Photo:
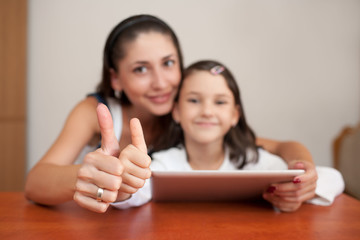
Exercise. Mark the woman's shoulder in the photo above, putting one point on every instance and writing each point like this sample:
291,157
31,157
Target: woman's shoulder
87,106
79,130
84,114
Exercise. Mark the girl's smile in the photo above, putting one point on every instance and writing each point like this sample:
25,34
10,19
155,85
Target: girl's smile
206,108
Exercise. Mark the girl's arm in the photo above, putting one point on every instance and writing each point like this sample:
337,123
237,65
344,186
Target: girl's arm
52,180
289,196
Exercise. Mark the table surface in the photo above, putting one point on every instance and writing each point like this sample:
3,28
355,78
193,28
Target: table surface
21,219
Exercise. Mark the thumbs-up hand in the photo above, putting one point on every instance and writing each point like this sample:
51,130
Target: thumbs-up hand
99,177
136,162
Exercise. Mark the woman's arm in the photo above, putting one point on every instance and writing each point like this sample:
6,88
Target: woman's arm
288,150
52,180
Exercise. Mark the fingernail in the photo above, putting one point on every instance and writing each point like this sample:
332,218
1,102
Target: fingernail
271,189
297,180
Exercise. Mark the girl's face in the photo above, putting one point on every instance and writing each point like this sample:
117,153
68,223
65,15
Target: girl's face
149,73
206,108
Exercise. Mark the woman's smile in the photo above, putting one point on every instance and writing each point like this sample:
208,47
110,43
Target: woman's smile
160,98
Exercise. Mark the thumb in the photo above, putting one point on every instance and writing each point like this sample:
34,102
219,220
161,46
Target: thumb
296,165
137,135
109,143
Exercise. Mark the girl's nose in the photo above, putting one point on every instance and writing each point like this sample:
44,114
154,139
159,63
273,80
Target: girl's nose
207,109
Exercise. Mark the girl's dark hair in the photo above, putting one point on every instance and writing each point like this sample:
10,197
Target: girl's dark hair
127,31
240,139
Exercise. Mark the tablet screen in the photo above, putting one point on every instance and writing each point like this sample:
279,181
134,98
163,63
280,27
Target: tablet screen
204,185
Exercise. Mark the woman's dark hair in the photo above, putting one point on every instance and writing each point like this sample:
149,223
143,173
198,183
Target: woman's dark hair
127,31
240,139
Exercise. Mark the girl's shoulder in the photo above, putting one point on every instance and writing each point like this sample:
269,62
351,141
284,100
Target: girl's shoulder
267,161
172,159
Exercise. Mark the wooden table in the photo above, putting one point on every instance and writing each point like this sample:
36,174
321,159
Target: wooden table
20,219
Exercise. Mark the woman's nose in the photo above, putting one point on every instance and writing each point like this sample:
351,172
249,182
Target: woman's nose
159,80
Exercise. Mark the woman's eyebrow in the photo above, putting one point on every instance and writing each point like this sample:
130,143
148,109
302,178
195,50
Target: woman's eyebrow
146,62
141,62
169,56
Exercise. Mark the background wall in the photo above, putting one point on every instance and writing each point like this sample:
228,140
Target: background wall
297,62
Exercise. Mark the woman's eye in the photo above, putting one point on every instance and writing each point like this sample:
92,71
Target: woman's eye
169,63
141,69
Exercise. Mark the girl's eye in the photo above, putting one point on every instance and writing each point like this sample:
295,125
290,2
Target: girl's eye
220,102
192,100
169,63
140,69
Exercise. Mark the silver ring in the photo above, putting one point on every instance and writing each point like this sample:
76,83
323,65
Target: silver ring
99,194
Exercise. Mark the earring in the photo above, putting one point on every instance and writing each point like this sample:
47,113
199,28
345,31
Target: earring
118,94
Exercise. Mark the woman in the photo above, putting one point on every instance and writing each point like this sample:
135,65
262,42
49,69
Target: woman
142,69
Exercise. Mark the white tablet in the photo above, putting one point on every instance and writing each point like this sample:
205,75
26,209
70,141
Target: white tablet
215,185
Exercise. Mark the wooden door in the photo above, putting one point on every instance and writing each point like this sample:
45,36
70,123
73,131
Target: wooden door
13,27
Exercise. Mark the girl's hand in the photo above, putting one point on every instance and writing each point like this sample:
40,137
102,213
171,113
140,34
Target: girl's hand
288,197
100,169
136,162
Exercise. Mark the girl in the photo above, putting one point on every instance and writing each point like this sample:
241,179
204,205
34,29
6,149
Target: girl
142,68
210,132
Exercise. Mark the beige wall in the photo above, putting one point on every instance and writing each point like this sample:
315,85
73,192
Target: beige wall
297,62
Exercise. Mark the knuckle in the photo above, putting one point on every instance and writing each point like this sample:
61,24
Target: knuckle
147,174
76,197
132,147
126,151
83,172
297,194
124,159
90,157
102,207
139,184
298,198
131,190
112,196
142,183
116,183
147,161
78,186
119,169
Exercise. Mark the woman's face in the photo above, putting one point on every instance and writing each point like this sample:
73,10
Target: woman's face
206,108
149,73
